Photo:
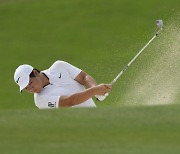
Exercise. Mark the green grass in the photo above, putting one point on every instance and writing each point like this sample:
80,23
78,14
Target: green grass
130,130
100,37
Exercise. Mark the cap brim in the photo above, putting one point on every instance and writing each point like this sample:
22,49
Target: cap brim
24,84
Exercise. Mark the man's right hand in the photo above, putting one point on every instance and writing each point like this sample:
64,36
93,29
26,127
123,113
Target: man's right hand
102,89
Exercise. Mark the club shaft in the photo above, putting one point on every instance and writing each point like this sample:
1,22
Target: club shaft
127,66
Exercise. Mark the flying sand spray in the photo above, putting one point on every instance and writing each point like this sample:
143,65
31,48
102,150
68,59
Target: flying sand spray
160,26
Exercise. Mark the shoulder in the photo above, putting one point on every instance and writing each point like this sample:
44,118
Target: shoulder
59,64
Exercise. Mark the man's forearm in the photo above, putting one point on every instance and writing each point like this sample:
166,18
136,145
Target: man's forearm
81,97
78,98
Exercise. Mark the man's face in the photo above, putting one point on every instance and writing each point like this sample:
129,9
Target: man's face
35,84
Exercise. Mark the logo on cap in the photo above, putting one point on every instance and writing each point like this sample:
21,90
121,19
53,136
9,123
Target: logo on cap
18,80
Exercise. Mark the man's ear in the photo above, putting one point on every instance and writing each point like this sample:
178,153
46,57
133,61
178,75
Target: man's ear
36,73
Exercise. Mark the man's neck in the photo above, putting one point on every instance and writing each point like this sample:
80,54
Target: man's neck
45,79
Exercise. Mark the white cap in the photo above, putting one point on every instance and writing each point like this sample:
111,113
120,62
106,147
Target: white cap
21,75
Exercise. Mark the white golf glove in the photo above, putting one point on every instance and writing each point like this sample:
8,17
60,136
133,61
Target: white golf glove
101,98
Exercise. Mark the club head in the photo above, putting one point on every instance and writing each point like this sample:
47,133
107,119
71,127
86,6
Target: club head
159,24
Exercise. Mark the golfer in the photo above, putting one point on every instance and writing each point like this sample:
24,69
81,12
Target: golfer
61,85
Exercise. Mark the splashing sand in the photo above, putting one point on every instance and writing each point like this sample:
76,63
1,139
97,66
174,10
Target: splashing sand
159,82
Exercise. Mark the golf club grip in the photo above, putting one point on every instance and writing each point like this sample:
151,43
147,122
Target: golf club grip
101,98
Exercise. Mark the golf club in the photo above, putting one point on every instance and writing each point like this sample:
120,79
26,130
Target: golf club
160,26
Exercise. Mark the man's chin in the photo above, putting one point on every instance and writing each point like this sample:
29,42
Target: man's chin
38,91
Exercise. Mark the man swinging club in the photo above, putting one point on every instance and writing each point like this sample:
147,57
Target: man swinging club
62,85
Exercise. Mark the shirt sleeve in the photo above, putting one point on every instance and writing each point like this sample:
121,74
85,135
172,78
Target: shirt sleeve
47,102
73,71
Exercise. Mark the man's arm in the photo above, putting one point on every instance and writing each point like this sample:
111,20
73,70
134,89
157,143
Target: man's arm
79,98
85,79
